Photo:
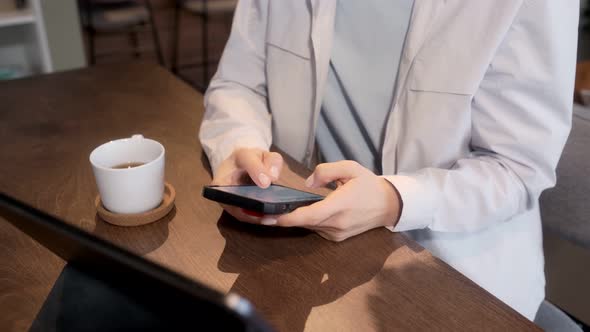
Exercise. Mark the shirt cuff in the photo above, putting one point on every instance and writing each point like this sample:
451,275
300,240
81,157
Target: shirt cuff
418,203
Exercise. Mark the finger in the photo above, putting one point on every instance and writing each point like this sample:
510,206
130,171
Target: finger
220,181
323,234
234,177
261,218
332,236
251,161
337,171
226,172
273,162
311,215
251,217
337,228
240,215
335,234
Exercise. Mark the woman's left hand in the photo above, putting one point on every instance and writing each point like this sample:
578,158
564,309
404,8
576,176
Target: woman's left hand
361,202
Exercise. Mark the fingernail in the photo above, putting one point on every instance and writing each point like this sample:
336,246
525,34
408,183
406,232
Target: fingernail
268,221
309,181
274,172
264,180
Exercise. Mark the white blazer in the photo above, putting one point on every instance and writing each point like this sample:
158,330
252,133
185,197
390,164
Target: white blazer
482,110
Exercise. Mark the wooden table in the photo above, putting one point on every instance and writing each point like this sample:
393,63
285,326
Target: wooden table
297,280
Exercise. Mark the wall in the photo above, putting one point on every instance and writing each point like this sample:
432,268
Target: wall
62,26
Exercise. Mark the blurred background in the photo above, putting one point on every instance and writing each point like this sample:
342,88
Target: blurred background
187,37
43,36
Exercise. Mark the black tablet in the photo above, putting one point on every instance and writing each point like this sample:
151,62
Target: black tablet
167,300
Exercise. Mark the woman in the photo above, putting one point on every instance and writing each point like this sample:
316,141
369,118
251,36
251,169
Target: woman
442,119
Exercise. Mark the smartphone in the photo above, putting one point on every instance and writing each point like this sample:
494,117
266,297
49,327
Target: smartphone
275,199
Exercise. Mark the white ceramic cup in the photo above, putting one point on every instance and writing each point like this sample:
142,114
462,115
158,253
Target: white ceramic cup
129,190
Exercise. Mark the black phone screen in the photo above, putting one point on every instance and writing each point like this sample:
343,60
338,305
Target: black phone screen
272,194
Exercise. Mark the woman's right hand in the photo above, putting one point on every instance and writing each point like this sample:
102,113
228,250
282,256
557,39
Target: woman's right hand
244,166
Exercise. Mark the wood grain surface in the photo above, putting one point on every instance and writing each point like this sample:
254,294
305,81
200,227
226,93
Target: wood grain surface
297,280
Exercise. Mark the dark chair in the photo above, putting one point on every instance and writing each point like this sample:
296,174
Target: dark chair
565,211
203,9
551,319
119,16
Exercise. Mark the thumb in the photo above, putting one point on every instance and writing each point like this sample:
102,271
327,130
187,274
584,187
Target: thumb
273,163
250,160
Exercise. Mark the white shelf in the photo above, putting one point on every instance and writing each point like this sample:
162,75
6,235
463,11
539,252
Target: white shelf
25,36
16,17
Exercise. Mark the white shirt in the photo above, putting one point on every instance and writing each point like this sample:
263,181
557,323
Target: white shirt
368,41
481,112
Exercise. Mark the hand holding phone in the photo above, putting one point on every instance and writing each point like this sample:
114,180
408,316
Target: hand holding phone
244,166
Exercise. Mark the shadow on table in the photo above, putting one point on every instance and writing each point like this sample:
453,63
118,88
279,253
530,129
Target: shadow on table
441,300
285,272
392,310
140,240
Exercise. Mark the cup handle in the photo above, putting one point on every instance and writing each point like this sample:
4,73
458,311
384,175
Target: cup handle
137,137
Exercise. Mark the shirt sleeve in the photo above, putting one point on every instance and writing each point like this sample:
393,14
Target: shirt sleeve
236,112
521,117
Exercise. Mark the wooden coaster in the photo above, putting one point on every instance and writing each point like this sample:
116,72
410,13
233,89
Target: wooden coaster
137,219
